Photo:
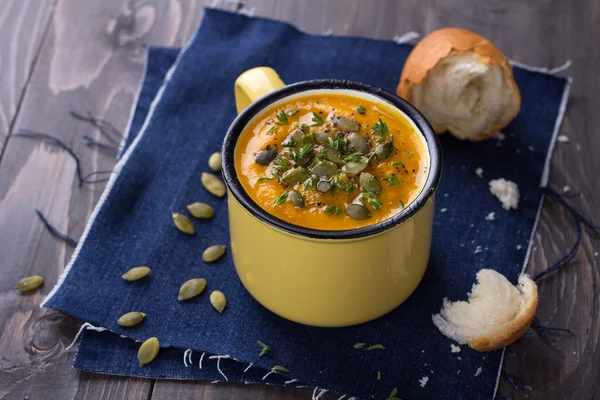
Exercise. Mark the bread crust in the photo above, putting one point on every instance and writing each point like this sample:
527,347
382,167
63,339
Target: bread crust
440,44
511,331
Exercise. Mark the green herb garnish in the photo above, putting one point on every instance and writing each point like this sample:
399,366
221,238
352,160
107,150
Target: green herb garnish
276,175
345,186
265,348
354,157
280,163
371,157
280,199
398,164
373,200
322,153
358,345
293,112
317,119
271,131
337,143
302,153
280,369
393,180
382,130
392,395
378,375
282,118
304,128
308,138
361,110
264,178
400,203
411,154
330,210
375,347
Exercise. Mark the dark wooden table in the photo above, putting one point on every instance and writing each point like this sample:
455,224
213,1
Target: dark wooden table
61,54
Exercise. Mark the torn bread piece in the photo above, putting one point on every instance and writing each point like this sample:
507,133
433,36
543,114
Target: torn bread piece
496,314
462,83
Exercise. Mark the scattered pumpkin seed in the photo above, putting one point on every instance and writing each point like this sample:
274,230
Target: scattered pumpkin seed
376,347
322,137
148,351
213,253
383,151
358,211
183,223
359,143
30,283
264,157
324,168
214,162
293,176
201,210
369,183
324,186
131,318
136,273
279,368
265,348
218,300
358,345
213,184
353,168
345,124
333,156
296,198
191,288
294,139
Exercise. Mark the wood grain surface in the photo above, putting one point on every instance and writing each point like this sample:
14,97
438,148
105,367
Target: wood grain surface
57,55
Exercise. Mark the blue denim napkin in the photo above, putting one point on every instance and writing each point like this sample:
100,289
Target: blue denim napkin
160,171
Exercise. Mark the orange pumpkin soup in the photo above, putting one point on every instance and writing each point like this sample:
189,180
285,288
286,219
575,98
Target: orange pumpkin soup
331,161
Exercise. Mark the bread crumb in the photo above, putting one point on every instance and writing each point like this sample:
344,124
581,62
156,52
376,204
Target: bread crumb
444,210
423,381
454,348
518,151
445,194
491,216
506,191
596,254
500,136
477,250
458,372
459,358
531,148
472,225
566,188
563,139
479,172
478,371
518,247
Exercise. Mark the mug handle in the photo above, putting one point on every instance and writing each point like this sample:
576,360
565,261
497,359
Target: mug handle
253,84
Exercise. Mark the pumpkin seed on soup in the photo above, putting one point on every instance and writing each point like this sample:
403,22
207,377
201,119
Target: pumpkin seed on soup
264,157
369,183
131,318
183,223
353,168
324,186
136,273
148,351
191,288
214,162
358,211
383,151
218,301
345,124
324,168
30,283
213,184
296,198
213,253
201,210
359,143
293,176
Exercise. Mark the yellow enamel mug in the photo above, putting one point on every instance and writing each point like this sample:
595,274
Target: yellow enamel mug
321,277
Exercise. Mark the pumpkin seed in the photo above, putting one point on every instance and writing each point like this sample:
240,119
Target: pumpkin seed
324,168
214,162
294,139
383,151
213,253
30,283
148,351
191,288
136,273
358,211
333,156
213,184
218,300
322,137
296,198
324,186
345,124
183,223
201,210
293,176
369,183
131,318
353,168
264,157
359,143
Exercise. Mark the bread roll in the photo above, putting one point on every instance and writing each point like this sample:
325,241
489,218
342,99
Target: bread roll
462,83
496,314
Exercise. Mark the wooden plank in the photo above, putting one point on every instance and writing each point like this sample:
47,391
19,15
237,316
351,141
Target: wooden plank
23,26
91,60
